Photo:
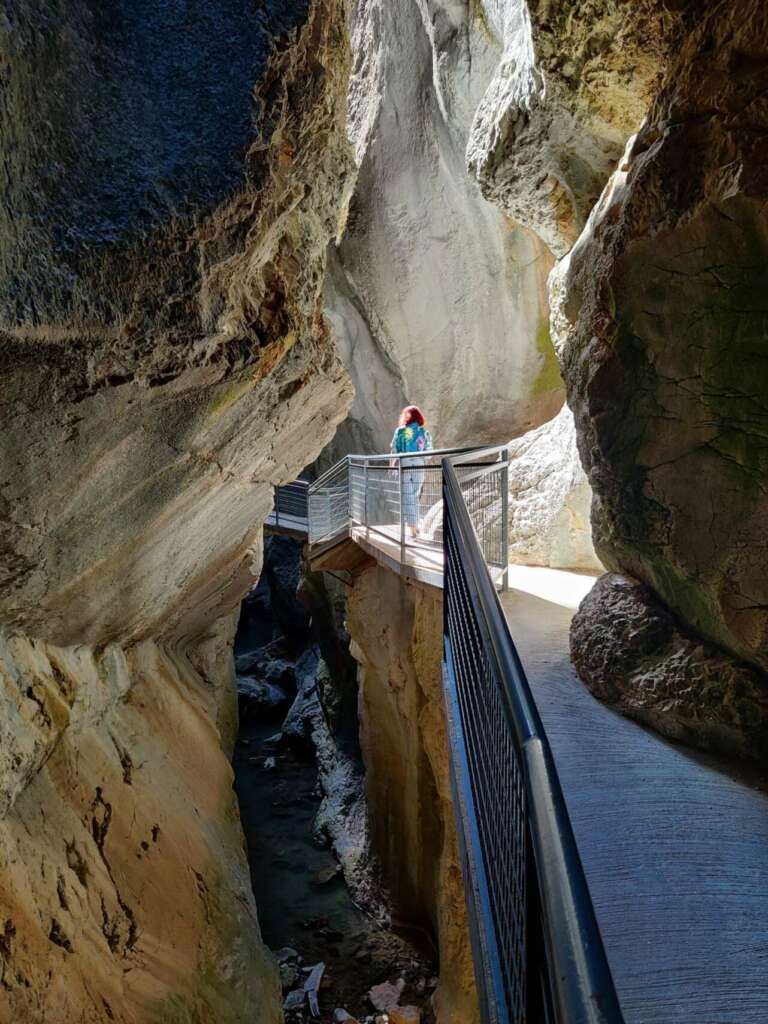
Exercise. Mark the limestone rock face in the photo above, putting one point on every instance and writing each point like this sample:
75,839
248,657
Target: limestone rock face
123,880
632,654
435,296
572,81
162,349
396,630
663,313
549,499
170,179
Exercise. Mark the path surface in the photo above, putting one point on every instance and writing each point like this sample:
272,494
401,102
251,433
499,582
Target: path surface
675,850
674,844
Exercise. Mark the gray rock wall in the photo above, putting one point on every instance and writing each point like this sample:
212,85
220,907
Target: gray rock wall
171,176
436,296
163,355
663,315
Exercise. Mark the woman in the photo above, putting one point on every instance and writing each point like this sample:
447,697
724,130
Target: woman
411,436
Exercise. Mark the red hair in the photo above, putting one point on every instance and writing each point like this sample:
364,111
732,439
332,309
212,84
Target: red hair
411,414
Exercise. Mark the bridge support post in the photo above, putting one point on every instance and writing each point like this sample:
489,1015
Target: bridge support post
505,518
402,517
365,499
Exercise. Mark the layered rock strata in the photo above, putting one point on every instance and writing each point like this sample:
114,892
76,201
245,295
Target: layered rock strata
169,189
661,308
123,882
396,630
435,295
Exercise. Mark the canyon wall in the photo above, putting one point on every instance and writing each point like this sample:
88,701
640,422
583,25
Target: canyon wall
661,323
436,296
171,178
396,628
123,883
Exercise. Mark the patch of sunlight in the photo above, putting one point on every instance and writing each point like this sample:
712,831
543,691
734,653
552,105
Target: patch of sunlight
558,586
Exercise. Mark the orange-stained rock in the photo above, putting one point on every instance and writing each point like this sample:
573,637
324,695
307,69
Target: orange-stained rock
396,629
405,1015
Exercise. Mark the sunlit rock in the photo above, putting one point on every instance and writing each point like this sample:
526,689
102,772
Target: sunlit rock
396,633
435,295
549,499
123,880
572,81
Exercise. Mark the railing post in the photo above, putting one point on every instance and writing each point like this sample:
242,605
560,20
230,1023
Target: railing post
402,517
365,499
505,519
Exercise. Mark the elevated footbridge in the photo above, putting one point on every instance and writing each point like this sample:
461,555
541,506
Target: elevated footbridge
610,876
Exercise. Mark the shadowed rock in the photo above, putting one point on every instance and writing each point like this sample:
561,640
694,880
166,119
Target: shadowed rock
630,651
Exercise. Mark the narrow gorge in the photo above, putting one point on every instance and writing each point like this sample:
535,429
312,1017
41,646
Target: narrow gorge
236,239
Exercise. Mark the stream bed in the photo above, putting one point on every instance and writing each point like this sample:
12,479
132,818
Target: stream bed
306,911
303,901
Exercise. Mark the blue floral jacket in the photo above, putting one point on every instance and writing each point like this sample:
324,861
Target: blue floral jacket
412,438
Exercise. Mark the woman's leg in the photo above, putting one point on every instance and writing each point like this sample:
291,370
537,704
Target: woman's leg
410,510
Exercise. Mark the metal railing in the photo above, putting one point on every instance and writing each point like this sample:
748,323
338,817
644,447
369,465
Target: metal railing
400,498
291,507
537,949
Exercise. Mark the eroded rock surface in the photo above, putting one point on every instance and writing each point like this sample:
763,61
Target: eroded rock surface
396,631
435,295
171,177
632,654
662,304
123,882
573,80
162,348
550,499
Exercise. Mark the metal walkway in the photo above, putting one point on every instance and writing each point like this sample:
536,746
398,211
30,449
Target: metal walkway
674,852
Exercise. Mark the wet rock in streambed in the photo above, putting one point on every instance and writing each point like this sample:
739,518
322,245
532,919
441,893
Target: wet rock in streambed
287,953
340,1016
294,1000
383,997
289,975
258,698
326,875
404,1015
308,992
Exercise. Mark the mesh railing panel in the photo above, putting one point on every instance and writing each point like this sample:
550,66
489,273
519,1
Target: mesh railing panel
329,505
497,796
402,499
537,949
291,502
482,489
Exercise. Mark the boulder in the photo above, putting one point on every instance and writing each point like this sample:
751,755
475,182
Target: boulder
660,319
632,653
404,1015
258,699
385,996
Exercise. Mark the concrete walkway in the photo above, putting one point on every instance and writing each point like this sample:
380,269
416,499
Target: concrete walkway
675,849
674,845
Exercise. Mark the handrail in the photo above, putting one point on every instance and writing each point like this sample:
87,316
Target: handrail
537,949
575,965
318,483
